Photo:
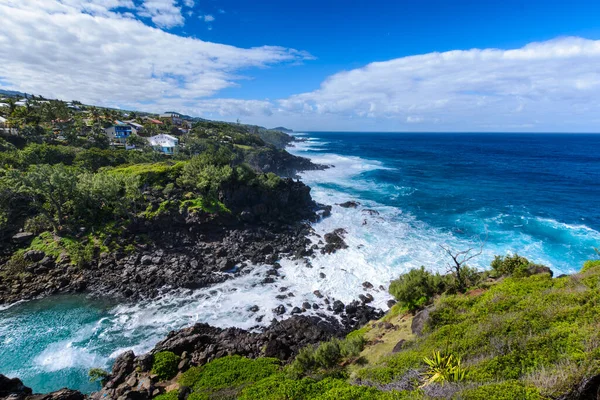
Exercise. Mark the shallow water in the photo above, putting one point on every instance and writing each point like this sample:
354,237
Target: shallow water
533,194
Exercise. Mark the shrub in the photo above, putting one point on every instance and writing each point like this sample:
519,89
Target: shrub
37,224
98,375
327,355
513,265
352,346
172,395
416,288
508,390
280,387
47,154
443,368
151,174
590,264
268,181
165,364
16,264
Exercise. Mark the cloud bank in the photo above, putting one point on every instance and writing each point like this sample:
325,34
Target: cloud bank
86,50
107,52
541,84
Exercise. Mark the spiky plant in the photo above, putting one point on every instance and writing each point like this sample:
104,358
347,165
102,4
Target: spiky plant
443,368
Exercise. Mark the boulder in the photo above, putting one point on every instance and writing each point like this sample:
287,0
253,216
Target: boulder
334,241
535,269
349,204
419,321
123,366
12,386
34,255
399,346
587,389
338,307
23,237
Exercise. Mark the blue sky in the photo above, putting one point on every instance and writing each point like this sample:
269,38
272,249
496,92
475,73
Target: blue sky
350,34
332,65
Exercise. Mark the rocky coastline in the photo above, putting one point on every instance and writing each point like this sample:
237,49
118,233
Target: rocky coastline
196,250
131,376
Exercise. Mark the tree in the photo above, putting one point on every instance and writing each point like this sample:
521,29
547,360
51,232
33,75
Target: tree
137,141
416,288
459,268
50,188
98,138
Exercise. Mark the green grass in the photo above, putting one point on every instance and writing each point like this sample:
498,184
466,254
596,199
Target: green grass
227,376
520,330
205,205
151,174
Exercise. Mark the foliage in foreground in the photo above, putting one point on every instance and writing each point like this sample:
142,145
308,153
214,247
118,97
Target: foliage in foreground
537,332
443,368
165,364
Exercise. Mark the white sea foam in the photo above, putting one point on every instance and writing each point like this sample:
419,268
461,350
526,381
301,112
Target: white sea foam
383,242
69,353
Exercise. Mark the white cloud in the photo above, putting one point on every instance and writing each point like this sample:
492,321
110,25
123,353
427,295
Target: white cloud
164,13
208,18
547,85
63,50
189,3
86,50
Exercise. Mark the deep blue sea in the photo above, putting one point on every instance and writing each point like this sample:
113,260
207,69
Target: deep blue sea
533,194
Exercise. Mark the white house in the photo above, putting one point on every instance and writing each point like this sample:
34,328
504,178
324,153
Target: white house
164,143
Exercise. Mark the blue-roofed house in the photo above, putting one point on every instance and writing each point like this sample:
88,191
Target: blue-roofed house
118,132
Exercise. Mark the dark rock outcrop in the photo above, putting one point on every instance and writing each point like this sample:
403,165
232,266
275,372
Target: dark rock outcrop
419,321
180,249
588,389
14,389
202,343
12,386
334,241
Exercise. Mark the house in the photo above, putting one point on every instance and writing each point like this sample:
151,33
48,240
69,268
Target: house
135,127
119,132
174,117
166,144
153,121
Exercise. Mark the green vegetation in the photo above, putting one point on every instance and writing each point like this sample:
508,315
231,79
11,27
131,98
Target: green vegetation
60,179
327,356
173,395
533,333
508,390
227,376
165,364
417,287
443,368
98,375
513,337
